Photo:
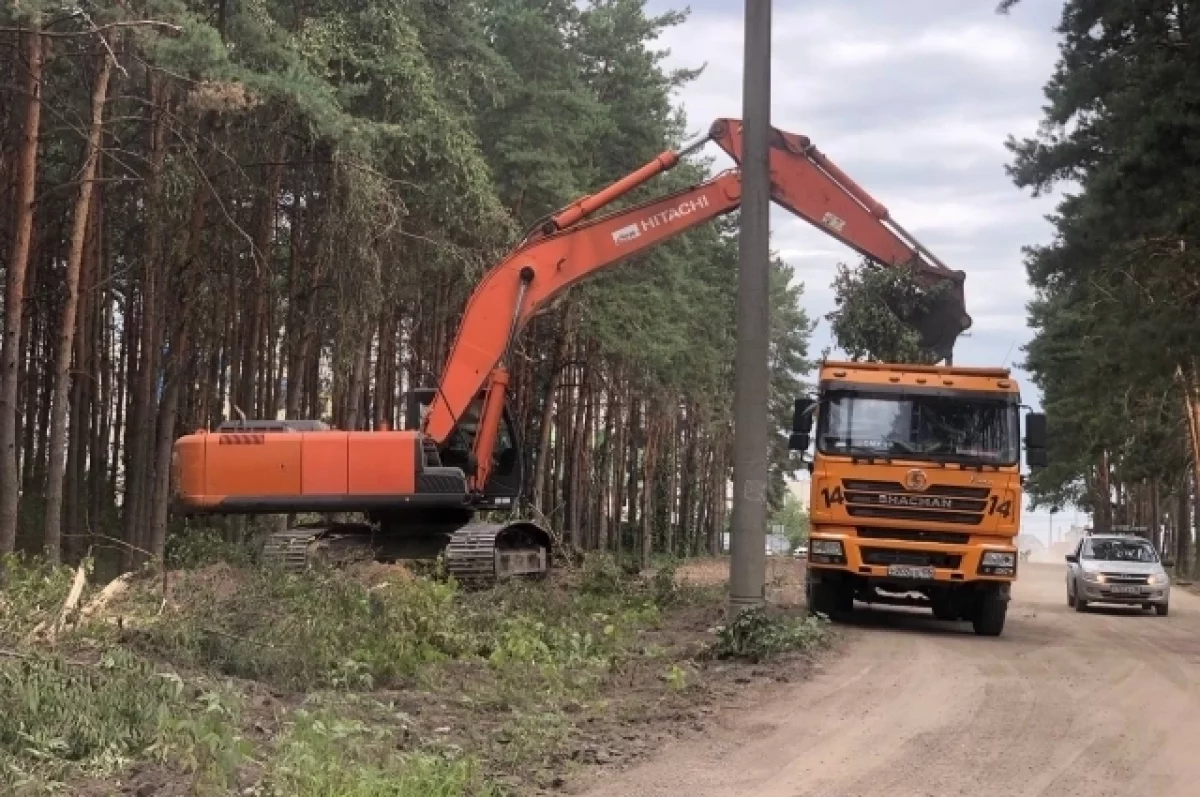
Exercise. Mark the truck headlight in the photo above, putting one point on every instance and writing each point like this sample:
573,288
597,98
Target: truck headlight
998,563
1157,578
999,559
826,547
826,552
1094,577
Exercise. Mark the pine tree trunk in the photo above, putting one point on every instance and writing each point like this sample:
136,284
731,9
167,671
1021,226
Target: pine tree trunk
575,459
14,301
649,482
66,339
545,457
144,364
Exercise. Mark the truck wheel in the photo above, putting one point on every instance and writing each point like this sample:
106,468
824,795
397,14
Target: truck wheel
1080,604
989,614
945,610
845,598
1160,609
822,598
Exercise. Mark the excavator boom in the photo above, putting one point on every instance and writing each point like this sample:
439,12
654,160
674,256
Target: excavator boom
568,248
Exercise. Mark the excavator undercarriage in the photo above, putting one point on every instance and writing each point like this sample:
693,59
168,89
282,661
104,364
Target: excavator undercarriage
475,554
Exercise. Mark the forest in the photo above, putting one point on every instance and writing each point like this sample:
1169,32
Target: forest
279,209
1116,313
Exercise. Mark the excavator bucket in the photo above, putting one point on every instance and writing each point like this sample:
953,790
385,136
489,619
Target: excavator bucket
946,318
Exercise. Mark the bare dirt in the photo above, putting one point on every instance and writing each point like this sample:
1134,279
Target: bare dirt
1102,704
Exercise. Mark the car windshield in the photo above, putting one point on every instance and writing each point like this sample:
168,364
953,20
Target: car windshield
913,425
1119,551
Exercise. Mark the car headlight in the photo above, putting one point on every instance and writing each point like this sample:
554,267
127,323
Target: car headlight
1157,578
999,559
1091,575
825,547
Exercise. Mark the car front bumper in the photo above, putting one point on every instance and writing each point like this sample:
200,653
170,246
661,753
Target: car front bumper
1103,593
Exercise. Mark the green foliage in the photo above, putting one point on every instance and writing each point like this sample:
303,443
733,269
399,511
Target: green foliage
195,548
312,631
1116,306
795,520
63,717
33,593
875,310
327,755
756,634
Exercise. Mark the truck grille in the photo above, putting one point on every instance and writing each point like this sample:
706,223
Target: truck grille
940,503
916,535
896,556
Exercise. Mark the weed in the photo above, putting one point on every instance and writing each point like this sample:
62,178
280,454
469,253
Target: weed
66,717
325,755
756,634
602,575
195,548
676,677
33,593
313,631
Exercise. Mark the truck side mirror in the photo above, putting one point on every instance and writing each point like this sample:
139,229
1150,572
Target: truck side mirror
802,423
1036,455
1072,558
802,416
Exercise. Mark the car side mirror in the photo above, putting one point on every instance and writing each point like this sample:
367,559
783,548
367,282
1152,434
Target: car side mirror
1036,455
1072,558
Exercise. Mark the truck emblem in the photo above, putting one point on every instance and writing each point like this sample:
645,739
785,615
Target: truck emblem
916,480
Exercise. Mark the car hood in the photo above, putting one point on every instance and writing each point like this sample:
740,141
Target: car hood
1133,568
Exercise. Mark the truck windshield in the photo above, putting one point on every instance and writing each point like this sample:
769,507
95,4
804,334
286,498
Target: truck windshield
936,427
1119,551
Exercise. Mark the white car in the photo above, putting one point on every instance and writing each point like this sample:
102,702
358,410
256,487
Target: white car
1117,569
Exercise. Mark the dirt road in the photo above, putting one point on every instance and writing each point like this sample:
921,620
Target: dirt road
1103,704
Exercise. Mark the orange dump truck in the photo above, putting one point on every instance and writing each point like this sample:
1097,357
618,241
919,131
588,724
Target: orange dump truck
916,488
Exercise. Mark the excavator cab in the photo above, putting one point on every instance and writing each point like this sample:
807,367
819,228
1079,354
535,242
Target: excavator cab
504,484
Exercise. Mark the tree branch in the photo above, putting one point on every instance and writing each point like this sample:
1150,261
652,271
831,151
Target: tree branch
174,29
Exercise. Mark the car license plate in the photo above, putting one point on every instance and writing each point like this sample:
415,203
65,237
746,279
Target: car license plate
910,571
1124,589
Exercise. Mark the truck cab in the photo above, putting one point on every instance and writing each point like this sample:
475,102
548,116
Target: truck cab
916,488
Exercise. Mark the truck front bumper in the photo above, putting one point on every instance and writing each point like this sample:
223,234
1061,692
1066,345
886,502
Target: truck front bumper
907,562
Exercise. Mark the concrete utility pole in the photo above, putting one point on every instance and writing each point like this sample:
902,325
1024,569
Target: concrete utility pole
751,371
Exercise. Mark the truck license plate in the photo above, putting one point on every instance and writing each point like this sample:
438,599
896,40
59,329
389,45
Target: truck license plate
1124,589
911,571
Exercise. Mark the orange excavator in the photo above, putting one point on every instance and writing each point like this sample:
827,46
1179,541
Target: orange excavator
422,488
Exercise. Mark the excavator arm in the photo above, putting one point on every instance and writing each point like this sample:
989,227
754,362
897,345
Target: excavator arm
569,247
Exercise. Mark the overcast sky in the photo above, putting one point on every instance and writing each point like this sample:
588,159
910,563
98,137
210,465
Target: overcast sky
914,100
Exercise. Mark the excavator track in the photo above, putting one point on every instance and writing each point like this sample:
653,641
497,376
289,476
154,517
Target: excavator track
299,548
477,554
484,553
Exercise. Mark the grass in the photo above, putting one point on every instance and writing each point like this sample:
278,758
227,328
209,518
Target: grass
375,683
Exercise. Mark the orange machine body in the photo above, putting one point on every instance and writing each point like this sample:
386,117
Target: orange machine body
297,471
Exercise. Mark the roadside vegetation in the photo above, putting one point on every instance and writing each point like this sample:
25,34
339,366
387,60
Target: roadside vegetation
370,681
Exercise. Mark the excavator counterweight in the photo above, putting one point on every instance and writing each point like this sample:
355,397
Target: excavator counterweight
421,488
